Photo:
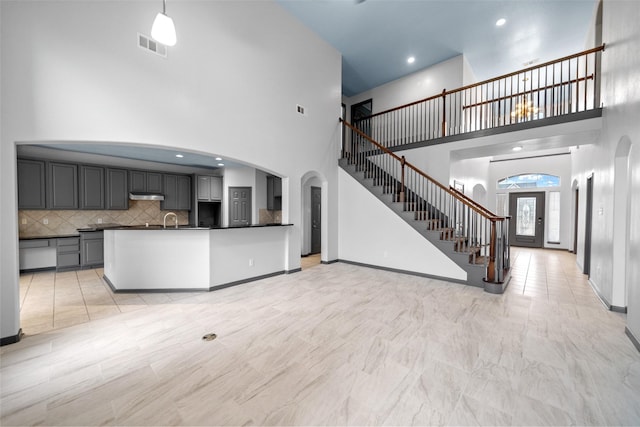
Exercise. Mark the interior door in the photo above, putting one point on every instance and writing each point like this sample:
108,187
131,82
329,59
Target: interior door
588,220
239,206
316,209
527,219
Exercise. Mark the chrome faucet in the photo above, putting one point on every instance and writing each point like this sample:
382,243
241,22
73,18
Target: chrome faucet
175,217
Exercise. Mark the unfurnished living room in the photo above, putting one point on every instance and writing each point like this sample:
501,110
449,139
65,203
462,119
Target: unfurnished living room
343,212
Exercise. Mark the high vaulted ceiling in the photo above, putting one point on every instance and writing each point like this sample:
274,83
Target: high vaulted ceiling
376,37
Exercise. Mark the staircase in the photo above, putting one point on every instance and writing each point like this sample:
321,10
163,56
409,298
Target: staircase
470,235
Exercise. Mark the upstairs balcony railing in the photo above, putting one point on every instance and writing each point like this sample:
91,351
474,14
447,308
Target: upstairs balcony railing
565,86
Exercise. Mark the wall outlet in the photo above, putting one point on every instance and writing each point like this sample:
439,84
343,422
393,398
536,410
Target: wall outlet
250,262
45,221
385,254
24,221
99,220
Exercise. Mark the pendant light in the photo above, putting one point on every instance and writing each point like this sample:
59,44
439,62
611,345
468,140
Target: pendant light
163,31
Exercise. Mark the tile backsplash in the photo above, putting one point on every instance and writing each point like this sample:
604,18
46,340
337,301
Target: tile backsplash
61,222
269,217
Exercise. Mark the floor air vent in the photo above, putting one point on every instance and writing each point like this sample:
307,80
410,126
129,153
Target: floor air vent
147,43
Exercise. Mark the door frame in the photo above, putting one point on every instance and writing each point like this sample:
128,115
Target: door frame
316,241
588,221
540,218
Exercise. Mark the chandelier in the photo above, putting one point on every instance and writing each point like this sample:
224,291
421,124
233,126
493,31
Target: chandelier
524,109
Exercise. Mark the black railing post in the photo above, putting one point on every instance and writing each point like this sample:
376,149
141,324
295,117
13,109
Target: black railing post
444,112
402,163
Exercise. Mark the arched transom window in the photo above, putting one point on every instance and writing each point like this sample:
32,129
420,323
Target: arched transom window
529,180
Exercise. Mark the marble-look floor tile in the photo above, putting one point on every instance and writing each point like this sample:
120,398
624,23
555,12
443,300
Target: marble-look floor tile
332,345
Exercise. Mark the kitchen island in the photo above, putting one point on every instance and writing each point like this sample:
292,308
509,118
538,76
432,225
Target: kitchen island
189,259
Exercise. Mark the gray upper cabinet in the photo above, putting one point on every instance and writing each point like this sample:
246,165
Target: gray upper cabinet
91,187
154,182
146,182
209,188
31,184
184,192
62,186
177,192
137,181
274,193
116,188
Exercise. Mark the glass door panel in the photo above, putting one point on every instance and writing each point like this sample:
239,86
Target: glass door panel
527,219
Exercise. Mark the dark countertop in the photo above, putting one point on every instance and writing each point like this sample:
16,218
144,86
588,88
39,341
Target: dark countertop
186,227
101,227
56,236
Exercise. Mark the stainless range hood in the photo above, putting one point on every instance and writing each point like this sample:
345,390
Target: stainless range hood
139,195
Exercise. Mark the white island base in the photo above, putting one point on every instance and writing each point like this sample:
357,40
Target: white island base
192,259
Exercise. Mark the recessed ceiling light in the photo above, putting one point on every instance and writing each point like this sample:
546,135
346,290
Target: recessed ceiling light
220,164
179,156
500,22
517,148
411,60
218,159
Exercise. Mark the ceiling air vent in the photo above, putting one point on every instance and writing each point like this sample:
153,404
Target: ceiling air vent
149,44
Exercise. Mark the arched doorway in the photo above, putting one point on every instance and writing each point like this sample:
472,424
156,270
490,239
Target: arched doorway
313,221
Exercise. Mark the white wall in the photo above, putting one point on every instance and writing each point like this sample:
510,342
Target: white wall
371,233
620,94
471,172
419,85
468,75
72,71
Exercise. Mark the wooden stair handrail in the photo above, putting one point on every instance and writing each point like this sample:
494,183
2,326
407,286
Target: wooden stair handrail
473,202
504,76
455,194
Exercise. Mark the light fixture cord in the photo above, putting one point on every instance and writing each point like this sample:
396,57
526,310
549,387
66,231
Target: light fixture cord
164,7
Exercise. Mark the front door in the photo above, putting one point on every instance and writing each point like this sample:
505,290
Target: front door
316,209
527,219
239,206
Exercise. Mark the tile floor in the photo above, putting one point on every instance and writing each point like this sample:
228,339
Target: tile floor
51,300
310,261
334,344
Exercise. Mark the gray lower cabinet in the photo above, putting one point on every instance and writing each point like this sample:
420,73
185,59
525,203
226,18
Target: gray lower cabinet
68,253
62,186
91,187
37,254
31,184
92,249
177,192
117,189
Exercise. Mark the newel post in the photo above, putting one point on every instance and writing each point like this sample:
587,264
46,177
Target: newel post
402,163
444,113
491,268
